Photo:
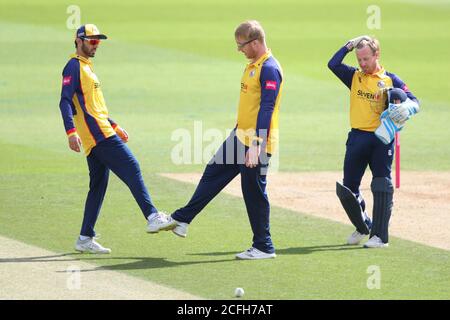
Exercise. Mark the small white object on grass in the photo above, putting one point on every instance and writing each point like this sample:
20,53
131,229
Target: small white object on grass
239,292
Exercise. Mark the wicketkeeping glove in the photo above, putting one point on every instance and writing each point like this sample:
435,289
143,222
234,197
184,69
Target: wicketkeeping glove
398,113
395,116
403,111
387,129
355,41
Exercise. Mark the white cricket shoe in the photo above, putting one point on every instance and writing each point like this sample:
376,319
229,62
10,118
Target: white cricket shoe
159,221
91,246
253,254
355,238
180,228
375,242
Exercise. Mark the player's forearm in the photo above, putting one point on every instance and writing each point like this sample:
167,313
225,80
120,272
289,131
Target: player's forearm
67,116
263,121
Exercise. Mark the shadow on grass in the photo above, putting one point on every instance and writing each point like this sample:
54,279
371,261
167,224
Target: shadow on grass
147,263
293,250
133,263
139,263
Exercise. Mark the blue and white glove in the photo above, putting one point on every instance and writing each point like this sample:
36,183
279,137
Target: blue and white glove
394,118
400,113
387,129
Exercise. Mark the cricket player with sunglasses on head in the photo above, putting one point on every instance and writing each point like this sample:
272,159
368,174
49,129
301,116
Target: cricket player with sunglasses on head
88,125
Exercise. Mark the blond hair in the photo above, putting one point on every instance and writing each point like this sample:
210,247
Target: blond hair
250,29
373,44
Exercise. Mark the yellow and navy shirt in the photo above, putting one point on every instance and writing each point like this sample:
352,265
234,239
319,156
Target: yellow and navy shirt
82,105
259,102
367,91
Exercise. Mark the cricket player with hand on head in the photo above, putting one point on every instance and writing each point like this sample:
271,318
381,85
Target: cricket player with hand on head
248,149
380,104
89,126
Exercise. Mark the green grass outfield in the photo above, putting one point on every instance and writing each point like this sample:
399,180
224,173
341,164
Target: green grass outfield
170,63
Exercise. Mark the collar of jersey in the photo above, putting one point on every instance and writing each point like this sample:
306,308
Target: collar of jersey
85,60
263,57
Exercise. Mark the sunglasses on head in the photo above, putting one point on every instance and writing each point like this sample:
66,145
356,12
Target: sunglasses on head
92,41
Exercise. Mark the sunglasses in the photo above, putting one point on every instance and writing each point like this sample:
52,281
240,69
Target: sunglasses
92,42
241,45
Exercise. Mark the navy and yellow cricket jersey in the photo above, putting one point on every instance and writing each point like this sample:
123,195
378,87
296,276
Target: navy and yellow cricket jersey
82,104
259,102
367,91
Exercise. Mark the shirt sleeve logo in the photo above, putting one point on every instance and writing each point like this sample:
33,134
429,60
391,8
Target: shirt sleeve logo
271,85
405,88
67,80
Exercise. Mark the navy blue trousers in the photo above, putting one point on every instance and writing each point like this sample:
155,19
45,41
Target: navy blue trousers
226,164
365,149
112,154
